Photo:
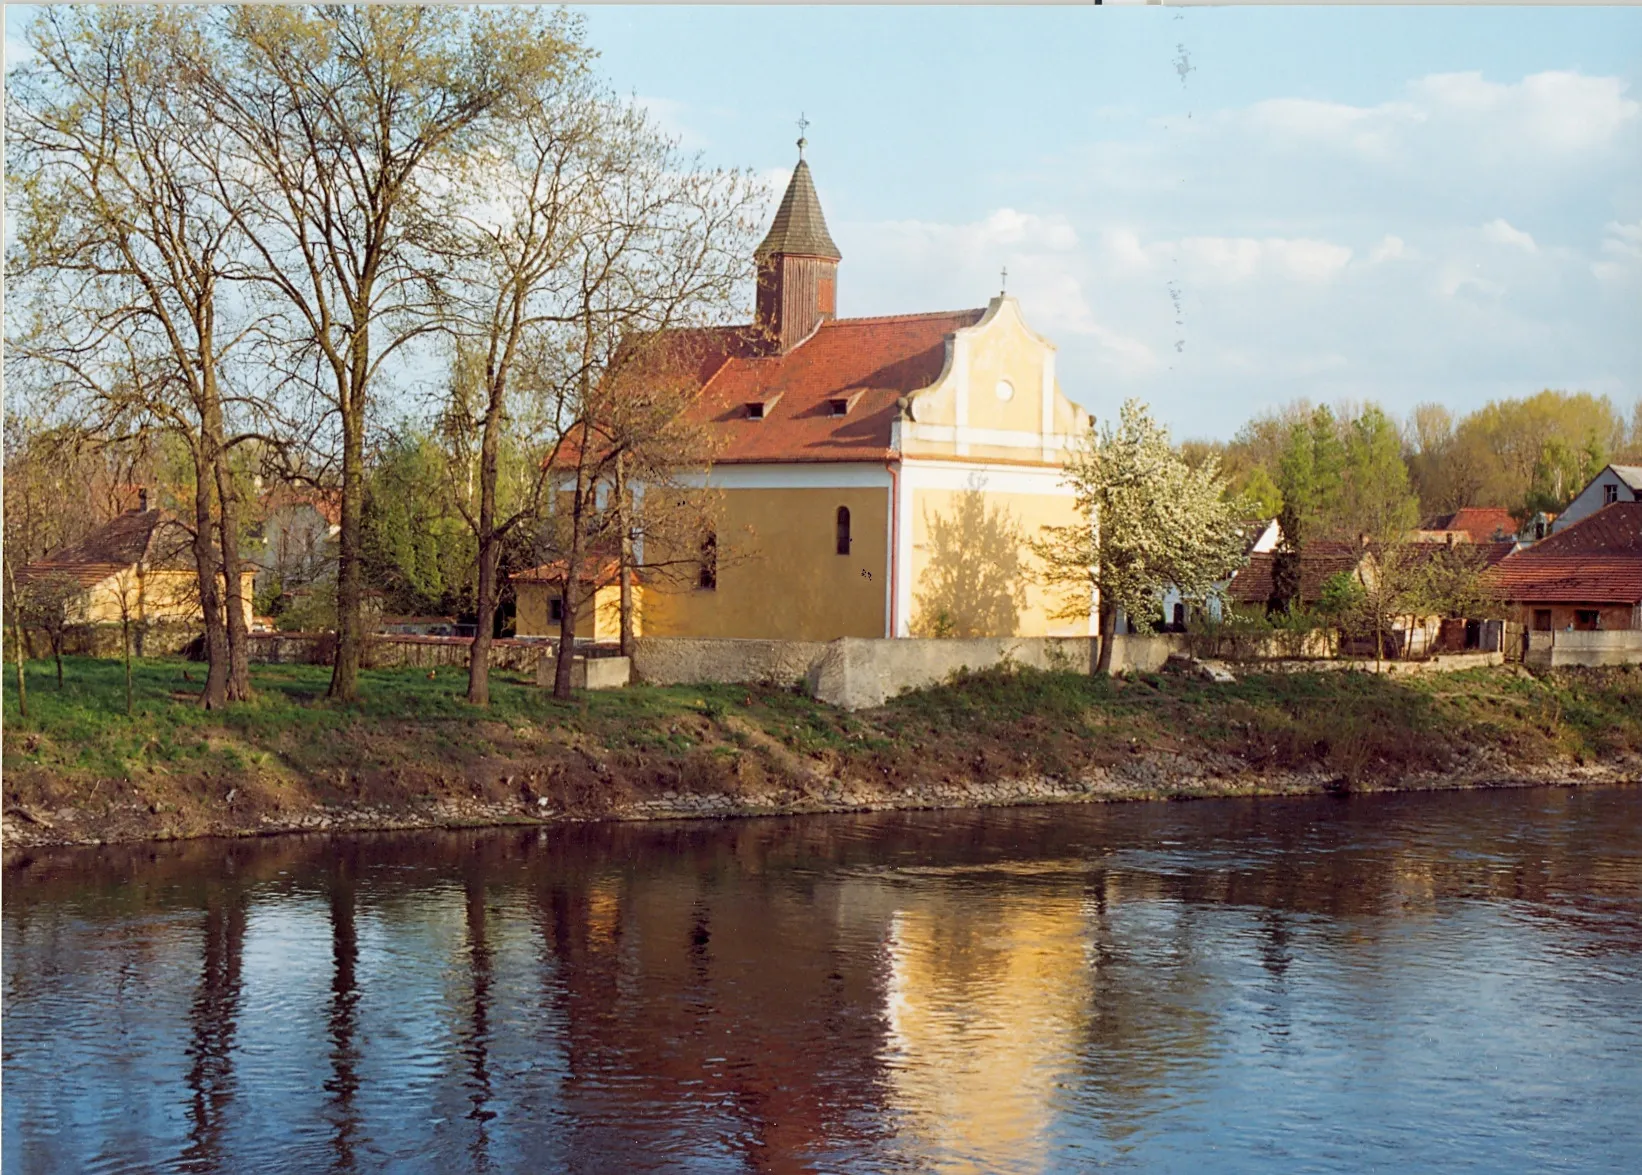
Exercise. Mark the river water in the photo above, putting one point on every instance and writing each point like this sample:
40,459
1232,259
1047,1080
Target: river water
1417,982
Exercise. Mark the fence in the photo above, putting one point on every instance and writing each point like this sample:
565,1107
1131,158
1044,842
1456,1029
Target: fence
383,652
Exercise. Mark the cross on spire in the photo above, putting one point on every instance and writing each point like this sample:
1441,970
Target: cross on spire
803,125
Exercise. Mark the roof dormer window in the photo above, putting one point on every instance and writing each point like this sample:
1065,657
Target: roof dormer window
841,405
759,409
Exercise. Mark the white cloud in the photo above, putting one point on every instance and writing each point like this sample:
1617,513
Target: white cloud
1392,248
1226,260
1557,110
1501,232
1368,130
1621,252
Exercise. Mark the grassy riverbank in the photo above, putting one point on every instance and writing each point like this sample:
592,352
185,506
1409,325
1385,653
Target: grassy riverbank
413,753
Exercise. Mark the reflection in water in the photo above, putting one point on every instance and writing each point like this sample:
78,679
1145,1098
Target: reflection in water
342,1019
211,1076
1002,995
1430,981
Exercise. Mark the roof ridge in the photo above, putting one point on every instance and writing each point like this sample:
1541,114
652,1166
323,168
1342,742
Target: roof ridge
903,317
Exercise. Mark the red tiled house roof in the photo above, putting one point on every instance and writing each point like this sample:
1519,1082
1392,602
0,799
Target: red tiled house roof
136,536
1482,523
1597,560
1251,584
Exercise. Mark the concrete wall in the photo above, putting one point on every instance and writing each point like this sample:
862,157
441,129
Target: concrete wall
1555,649
687,660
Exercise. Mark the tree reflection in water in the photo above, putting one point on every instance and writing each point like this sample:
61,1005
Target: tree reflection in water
1008,990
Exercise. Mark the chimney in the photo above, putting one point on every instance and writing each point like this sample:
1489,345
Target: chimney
797,266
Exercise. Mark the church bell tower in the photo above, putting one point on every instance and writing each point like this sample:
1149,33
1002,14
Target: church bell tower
797,266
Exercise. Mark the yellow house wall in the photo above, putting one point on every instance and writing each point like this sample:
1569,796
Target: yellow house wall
970,564
601,621
779,574
154,595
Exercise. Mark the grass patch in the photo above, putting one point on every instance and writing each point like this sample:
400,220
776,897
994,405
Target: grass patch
412,735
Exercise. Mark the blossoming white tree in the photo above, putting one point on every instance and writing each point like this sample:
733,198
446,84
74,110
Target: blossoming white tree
1150,521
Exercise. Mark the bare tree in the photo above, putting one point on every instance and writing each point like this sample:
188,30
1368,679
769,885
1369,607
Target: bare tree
120,228
595,241
48,603
336,119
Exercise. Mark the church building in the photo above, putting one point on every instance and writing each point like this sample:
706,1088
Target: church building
880,476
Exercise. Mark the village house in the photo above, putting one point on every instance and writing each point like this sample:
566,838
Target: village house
1472,524
138,566
886,473
1616,483
1587,577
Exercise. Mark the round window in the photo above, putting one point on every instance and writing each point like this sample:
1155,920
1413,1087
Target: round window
1005,390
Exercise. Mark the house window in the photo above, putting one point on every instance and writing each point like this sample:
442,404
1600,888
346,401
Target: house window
843,530
555,609
1610,495
1180,617
1542,620
1587,619
708,580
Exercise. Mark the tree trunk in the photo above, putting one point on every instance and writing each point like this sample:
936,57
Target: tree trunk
349,623
479,651
490,553
573,563
215,695
625,521
17,641
125,640
567,637
57,655
1108,631
234,603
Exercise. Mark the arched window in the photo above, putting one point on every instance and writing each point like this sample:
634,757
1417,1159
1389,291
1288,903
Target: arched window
843,530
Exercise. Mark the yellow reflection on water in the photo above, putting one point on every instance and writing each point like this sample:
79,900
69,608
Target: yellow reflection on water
985,1009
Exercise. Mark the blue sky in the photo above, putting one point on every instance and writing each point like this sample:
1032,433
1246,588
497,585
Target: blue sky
1215,209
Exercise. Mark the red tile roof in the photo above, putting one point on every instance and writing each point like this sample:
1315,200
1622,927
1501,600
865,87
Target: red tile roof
1318,562
151,536
596,570
1482,523
1597,560
882,359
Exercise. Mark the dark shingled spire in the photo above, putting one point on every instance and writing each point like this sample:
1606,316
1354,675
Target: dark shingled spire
799,228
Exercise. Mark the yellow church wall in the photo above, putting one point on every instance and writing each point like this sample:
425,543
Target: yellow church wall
780,576
972,573
962,416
